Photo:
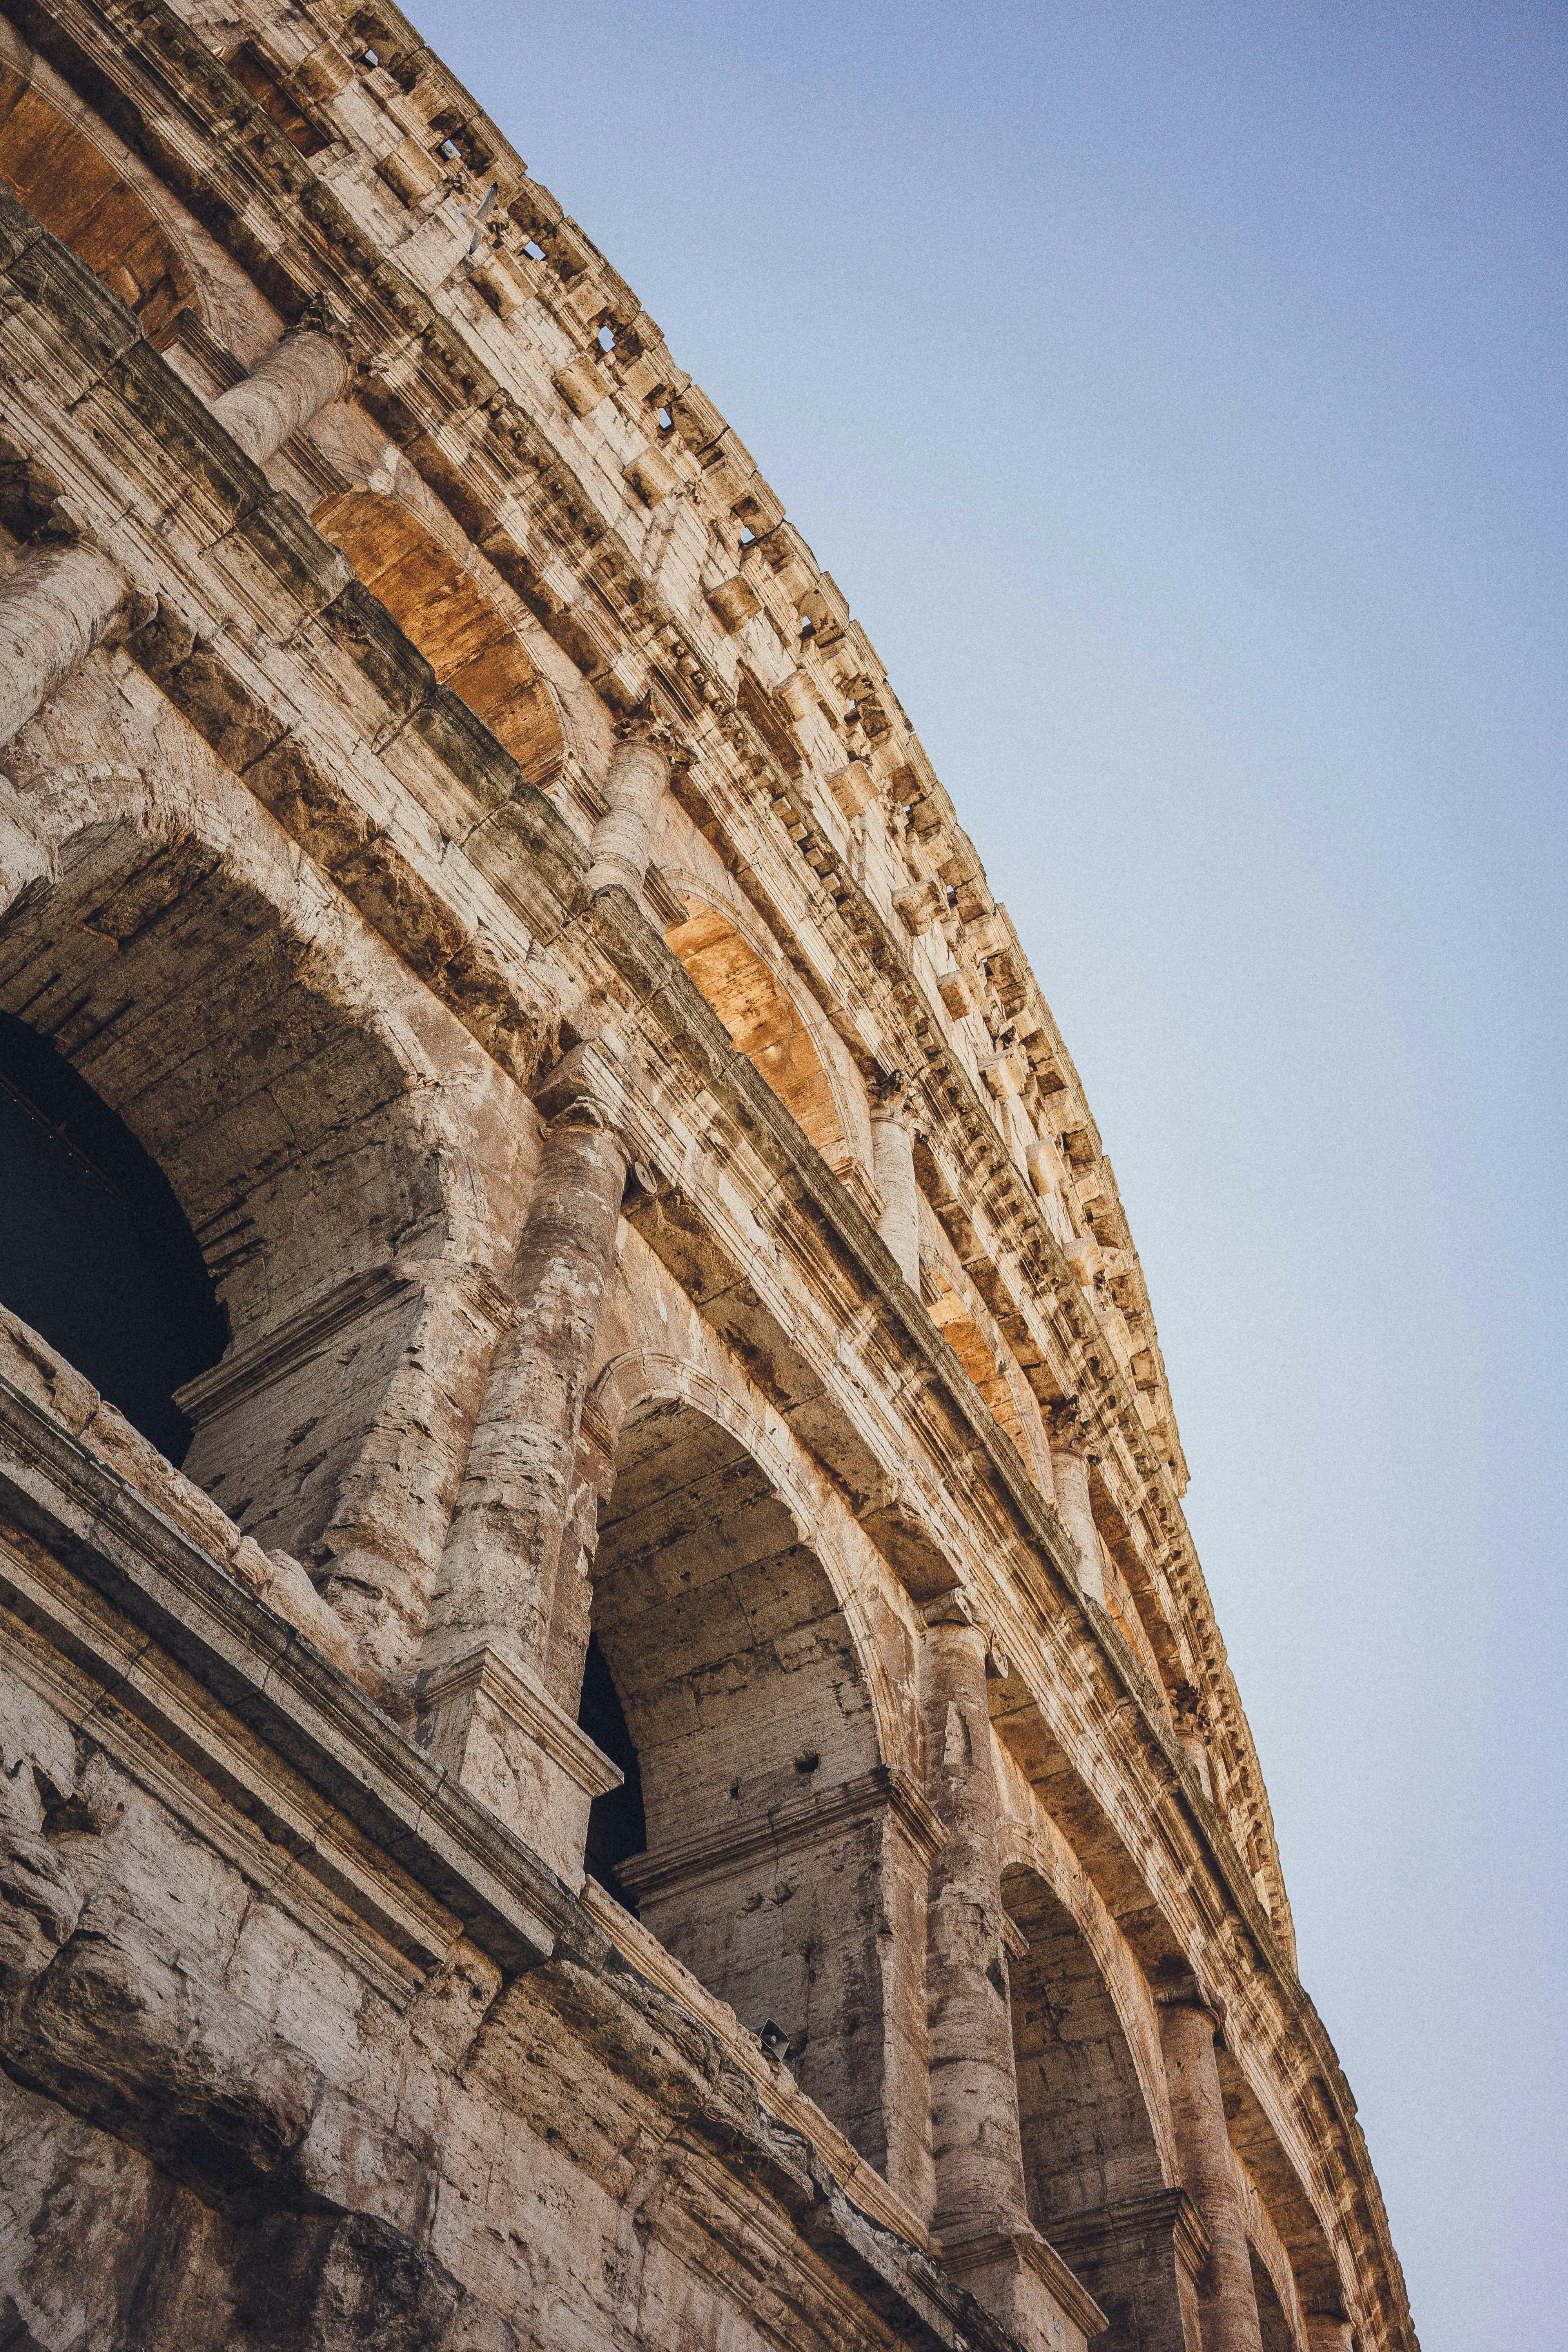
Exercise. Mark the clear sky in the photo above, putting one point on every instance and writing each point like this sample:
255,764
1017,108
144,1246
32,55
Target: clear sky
1178,394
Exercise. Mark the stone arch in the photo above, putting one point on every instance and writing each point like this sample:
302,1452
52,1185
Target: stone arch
783,1856
1293,2244
1276,2308
464,636
81,196
1089,2141
735,970
263,1047
95,1253
1094,2118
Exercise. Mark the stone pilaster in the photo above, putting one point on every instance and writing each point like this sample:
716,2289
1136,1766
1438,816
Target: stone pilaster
975,2146
485,1706
893,1170
1228,2305
1069,1473
622,839
980,2221
303,373
54,607
1325,2335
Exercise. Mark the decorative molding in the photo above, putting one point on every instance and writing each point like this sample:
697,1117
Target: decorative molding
718,1853
664,898
275,1353
485,1673
1087,2240
1026,2248
262,1362
852,1175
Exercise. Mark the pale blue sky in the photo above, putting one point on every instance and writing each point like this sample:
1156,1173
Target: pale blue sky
1177,394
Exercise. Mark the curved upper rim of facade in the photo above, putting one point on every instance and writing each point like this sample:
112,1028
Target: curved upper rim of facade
548,364
577,496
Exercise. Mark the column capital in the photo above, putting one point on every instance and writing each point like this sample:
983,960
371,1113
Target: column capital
317,317
955,1612
952,1609
1184,1993
584,1089
893,1098
644,726
1068,1428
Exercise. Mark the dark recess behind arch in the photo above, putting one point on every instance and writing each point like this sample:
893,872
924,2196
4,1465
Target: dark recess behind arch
95,1252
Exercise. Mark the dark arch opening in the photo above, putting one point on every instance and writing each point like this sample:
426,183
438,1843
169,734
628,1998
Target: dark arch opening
1093,2178
617,1827
95,1252
1275,2328
756,1832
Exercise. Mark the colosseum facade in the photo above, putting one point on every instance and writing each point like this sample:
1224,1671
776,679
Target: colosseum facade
612,1734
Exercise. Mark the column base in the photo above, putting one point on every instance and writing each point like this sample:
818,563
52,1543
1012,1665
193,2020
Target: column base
493,1727
1024,2284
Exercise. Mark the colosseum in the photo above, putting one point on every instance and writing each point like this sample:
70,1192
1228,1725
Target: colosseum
611,1734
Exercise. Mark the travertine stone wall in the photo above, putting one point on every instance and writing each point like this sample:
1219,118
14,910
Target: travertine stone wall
691,1399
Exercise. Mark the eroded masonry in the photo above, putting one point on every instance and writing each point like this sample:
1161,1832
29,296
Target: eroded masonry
611,1732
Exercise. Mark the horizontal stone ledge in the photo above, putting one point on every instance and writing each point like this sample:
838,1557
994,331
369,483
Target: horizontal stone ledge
1100,2234
309,1713
1026,2253
716,1853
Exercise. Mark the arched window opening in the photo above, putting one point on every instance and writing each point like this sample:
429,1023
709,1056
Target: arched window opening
617,1826
95,1252
1095,2183
735,1692
763,1023
73,188
231,1076
1278,2335
467,640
